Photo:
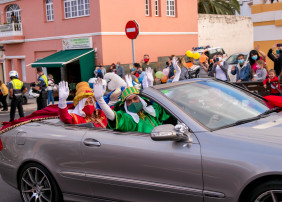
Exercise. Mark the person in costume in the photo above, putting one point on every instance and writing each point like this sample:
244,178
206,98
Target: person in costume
132,112
85,108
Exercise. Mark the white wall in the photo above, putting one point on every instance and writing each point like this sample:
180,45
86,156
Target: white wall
233,33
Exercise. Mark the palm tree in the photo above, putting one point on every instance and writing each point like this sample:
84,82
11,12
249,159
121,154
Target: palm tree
221,7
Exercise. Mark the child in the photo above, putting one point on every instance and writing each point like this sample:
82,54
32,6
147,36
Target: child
274,83
261,72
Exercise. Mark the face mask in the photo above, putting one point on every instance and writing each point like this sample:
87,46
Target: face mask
220,58
88,109
277,51
99,71
241,61
146,60
135,107
254,57
117,65
139,71
133,69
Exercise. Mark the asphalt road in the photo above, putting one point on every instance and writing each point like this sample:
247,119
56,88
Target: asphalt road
8,193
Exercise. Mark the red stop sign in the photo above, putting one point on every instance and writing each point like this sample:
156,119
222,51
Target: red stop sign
132,29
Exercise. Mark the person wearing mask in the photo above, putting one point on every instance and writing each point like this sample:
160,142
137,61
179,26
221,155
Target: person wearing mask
101,70
51,84
145,63
136,70
254,56
220,67
261,72
85,110
133,112
241,70
41,88
16,89
120,70
276,57
3,96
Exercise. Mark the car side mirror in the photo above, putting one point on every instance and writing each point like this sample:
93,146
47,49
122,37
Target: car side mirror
170,132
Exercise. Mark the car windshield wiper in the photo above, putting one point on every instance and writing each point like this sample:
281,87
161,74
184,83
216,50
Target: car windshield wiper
271,110
262,115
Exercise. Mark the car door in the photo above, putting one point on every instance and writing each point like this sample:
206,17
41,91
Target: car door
131,166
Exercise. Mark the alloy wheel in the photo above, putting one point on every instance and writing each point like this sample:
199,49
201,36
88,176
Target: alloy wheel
270,196
35,186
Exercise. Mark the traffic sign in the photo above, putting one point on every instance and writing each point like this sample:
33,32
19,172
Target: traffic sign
132,29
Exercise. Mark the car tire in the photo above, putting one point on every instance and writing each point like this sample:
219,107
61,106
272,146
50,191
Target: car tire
35,181
24,100
265,191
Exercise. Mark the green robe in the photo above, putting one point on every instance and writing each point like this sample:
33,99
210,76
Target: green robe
124,122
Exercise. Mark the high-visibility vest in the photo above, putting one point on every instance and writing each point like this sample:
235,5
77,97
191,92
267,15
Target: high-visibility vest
17,87
44,79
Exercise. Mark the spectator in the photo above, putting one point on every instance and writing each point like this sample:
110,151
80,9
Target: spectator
120,70
171,69
275,88
136,70
3,96
184,70
103,70
113,68
254,56
50,87
205,65
261,72
241,70
145,63
220,67
276,58
15,21
41,88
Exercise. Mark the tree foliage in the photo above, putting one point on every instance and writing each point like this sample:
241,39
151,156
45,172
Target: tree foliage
221,7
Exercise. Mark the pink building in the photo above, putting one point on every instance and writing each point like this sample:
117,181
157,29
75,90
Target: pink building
76,29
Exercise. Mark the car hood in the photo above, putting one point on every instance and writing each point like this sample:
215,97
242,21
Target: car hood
267,130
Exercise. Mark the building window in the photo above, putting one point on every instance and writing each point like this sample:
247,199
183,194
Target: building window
76,8
156,7
170,8
49,10
147,7
13,9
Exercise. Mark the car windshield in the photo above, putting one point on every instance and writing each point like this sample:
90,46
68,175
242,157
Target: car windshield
215,104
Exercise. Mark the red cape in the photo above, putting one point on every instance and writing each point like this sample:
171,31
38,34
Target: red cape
273,101
52,111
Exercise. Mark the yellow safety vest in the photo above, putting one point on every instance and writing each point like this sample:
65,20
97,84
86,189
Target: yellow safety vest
45,79
17,84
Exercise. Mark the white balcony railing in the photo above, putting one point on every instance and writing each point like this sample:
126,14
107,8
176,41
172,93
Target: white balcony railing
11,29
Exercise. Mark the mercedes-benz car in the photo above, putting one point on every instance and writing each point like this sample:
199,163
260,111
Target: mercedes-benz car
225,147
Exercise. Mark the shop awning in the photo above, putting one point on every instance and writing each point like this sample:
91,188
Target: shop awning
61,58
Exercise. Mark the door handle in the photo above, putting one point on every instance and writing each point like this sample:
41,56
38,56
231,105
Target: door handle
91,142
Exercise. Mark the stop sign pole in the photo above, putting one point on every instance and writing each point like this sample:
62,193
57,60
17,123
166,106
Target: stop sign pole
132,31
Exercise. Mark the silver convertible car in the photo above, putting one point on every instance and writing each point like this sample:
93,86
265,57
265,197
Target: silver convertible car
226,146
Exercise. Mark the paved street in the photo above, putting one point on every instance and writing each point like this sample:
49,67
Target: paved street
8,193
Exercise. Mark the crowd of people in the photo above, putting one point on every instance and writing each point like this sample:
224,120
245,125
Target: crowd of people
134,111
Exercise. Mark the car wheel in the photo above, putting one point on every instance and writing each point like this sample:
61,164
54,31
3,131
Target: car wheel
270,191
37,184
24,100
